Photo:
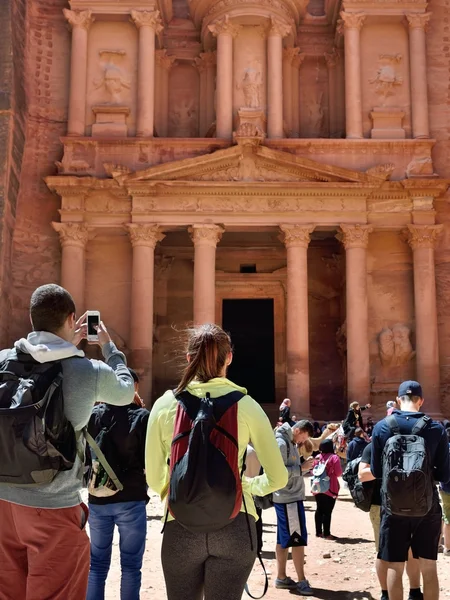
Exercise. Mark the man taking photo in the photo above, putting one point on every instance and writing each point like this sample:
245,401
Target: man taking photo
44,548
409,454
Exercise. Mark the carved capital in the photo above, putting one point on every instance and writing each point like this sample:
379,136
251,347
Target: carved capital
352,20
290,53
296,235
163,265
224,26
144,234
145,18
206,60
423,236
354,236
206,235
279,28
418,20
72,234
163,60
79,18
331,58
298,60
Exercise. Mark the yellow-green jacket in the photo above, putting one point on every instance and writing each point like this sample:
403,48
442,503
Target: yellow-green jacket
253,425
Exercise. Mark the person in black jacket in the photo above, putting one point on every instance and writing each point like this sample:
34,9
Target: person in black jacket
354,419
124,431
357,445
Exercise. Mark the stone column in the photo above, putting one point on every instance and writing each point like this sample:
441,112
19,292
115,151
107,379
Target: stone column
296,240
149,25
80,21
205,64
164,64
73,238
278,30
144,238
355,239
422,239
205,238
288,55
331,60
418,67
225,31
353,23
296,64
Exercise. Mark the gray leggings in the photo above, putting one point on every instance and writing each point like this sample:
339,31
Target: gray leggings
213,566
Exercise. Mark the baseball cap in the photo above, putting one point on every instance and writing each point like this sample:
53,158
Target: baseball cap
390,404
410,388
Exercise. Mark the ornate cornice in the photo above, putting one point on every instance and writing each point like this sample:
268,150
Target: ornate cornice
144,234
145,18
354,236
418,20
224,26
164,60
72,234
423,236
79,18
352,20
206,235
297,235
279,28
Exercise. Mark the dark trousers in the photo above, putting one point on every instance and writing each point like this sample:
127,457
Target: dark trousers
325,506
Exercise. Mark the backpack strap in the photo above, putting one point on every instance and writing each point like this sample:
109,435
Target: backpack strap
102,458
266,583
421,424
392,423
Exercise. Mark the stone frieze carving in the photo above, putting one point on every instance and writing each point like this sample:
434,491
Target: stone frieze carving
420,165
395,348
383,171
251,86
112,82
225,4
114,170
183,118
387,78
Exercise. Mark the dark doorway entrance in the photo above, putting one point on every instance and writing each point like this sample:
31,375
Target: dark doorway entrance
251,326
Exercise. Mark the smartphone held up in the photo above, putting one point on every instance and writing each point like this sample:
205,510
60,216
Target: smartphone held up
93,321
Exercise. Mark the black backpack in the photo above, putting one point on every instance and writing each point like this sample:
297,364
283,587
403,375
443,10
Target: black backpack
360,492
205,491
407,486
36,439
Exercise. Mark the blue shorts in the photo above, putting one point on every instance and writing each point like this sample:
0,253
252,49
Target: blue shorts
291,524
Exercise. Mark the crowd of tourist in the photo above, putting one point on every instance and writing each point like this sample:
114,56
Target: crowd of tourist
209,451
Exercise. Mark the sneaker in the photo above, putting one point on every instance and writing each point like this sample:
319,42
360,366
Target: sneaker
285,584
384,596
303,588
416,596
446,551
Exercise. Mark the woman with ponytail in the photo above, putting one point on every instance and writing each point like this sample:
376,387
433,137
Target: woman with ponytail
213,565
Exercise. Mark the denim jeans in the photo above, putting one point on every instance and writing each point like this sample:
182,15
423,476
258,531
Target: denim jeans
131,520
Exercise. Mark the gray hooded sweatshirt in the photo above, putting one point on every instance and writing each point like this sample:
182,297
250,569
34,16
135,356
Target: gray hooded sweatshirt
85,382
295,488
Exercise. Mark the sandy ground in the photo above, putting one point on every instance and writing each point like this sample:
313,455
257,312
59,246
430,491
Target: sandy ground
349,573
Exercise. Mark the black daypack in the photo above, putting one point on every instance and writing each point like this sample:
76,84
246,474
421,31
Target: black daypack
36,439
205,491
360,492
407,486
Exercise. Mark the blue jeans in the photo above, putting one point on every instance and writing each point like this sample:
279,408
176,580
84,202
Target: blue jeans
131,520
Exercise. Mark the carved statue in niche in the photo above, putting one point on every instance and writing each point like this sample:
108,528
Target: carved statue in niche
251,86
316,115
112,81
420,165
183,118
395,346
387,79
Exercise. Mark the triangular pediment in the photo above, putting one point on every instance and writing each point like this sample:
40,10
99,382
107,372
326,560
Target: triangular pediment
251,163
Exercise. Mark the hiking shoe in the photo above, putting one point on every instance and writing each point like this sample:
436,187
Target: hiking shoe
415,596
303,588
285,584
384,596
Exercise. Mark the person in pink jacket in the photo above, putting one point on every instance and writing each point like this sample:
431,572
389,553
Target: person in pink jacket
326,500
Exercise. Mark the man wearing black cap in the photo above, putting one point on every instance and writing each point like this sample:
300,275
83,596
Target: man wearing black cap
391,462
